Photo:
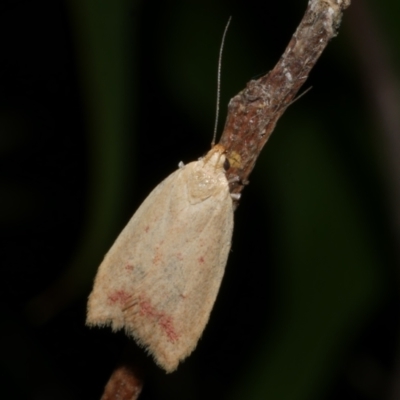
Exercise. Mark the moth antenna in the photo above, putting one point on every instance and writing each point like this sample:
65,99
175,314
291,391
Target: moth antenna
219,82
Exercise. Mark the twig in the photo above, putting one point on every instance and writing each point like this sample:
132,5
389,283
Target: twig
254,112
126,381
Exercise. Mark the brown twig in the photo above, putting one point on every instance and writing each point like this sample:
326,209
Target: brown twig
124,384
254,112
126,381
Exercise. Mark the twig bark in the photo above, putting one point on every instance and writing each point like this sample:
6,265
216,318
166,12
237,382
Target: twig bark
254,112
124,384
126,381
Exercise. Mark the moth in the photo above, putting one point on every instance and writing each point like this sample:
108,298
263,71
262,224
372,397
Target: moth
161,277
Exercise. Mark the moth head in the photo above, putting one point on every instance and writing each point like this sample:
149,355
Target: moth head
217,157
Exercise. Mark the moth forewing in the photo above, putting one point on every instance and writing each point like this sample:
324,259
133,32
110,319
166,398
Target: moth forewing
160,278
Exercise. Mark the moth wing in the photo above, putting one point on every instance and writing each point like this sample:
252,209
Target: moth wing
160,278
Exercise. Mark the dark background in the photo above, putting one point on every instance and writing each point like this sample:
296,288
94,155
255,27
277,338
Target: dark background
100,100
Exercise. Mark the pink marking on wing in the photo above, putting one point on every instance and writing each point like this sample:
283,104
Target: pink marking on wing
146,229
157,258
129,267
201,260
119,296
146,309
164,321
157,255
